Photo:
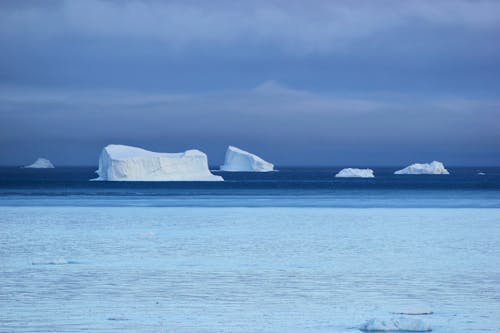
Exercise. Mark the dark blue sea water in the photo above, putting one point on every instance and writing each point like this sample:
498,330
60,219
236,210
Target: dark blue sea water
303,187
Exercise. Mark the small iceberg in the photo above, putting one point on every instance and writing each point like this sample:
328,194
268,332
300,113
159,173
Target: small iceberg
396,325
125,163
355,173
239,160
481,174
433,168
40,163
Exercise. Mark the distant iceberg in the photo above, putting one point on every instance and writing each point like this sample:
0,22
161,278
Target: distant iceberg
396,325
41,163
481,174
434,168
125,163
240,160
355,173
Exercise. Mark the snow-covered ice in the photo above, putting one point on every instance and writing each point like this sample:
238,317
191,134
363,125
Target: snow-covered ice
41,163
355,173
125,163
400,324
433,168
240,160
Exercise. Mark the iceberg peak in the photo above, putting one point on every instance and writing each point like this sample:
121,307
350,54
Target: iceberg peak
355,173
126,163
240,160
40,163
433,168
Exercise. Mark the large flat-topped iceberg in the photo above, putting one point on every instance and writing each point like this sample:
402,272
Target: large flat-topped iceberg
240,160
125,163
434,168
41,163
396,325
355,173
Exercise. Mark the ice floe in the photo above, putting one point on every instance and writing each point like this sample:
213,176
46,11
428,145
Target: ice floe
414,312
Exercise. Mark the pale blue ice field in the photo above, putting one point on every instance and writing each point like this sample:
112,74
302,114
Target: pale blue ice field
260,269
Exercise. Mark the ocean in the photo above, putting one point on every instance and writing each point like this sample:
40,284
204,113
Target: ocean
290,251
289,187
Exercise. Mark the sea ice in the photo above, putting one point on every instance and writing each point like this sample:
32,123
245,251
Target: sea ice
41,163
240,160
355,173
125,163
433,168
396,325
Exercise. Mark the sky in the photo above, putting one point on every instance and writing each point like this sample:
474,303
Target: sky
344,83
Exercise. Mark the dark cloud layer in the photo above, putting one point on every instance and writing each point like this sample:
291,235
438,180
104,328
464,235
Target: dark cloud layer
386,82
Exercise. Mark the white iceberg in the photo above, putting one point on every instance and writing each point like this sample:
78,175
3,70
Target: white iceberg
396,325
125,163
481,174
433,168
355,173
41,163
240,160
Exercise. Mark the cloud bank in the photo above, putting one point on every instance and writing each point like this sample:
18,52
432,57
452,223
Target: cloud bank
316,82
296,26
284,123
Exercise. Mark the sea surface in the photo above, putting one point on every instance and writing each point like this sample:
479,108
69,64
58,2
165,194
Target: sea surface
289,187
290,251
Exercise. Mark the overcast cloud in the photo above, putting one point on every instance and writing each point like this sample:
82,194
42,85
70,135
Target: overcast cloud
300,82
